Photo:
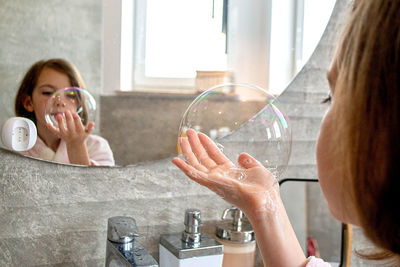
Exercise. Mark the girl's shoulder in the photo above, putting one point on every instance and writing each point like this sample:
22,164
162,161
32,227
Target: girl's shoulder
94,142
95,138
99,150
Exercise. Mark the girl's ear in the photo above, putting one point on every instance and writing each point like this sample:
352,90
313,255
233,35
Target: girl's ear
27,102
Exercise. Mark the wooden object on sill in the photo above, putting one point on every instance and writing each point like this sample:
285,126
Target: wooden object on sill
207,79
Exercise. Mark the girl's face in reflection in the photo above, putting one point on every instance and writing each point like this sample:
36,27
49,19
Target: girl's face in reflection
48,82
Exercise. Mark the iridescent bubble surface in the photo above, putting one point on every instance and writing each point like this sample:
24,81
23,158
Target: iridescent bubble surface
242,118
74,99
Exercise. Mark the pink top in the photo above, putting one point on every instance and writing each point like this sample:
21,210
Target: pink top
99,151
316,262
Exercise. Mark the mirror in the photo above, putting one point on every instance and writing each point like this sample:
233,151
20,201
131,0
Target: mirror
77,31
318,232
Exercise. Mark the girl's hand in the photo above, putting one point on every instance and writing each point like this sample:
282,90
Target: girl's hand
250,187
74,135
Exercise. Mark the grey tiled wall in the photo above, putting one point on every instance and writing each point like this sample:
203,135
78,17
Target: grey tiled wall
42,29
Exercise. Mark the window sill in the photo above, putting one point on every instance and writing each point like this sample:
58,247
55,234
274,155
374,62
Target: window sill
175,94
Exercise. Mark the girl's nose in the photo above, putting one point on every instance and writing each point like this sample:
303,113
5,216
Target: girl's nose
59,102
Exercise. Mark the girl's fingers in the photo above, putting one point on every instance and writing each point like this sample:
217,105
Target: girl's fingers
53,129
247,161
199,151
89,127
69,120
193,173
187,151
217,183
77,123
189,156
212,150
61,125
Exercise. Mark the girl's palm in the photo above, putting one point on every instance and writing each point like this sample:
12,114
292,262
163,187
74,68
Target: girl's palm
247,187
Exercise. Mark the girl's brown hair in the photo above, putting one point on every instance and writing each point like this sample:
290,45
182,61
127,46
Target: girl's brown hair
31,77
367,114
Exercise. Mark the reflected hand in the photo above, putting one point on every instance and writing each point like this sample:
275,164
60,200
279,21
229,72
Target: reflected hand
73,133
250,187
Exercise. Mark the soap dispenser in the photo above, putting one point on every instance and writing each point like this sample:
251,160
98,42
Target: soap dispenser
190,248
237,236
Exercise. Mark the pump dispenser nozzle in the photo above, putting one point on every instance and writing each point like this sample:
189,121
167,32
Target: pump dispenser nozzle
190,248
237,230
192,222
237,236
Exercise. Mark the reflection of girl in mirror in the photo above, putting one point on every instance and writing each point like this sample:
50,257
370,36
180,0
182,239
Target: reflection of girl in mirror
358,148
72,142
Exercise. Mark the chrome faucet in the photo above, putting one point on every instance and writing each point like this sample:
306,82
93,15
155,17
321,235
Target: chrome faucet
122,249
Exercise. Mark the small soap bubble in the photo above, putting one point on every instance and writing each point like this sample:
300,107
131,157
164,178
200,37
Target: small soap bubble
220,147
236,173
74,99
182,157
242,118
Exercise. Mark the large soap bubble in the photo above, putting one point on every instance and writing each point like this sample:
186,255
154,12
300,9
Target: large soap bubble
242,118
74,99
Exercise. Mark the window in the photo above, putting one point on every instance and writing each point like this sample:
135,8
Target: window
155,45
173,39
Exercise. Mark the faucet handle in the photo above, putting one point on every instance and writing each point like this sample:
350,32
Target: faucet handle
122,229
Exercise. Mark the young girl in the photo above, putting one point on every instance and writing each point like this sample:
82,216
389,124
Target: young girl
358,148
72,142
